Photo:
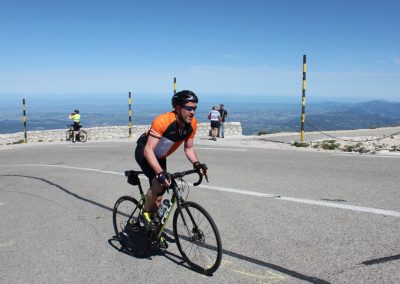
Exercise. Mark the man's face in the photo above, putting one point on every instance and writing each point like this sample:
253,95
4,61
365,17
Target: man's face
187,111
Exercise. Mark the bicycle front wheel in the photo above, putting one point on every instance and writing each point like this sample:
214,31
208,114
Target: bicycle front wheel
197,238
128,230
83,136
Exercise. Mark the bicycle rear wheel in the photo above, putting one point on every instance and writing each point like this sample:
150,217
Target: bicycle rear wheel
83,136
68,135
197,238
128,230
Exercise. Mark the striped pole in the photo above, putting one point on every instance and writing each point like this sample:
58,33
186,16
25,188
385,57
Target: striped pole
174,85
24,112
303,100
130,115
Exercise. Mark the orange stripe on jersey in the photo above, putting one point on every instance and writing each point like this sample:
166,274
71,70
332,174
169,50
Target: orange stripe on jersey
165,126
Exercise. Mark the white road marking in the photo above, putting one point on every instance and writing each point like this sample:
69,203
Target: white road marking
65,167
222,149
79,146
239,191
306,201
7,244
343,206
1,203
245,192
368,156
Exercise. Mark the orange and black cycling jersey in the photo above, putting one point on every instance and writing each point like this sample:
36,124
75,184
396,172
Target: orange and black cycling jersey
165,127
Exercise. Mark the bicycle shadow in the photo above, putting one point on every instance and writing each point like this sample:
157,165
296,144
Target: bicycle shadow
124,247
181,262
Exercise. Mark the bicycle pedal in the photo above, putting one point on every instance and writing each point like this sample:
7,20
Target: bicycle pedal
162,244
134,228
123,238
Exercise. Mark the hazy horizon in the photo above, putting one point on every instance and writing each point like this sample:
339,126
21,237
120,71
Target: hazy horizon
216,98
255,113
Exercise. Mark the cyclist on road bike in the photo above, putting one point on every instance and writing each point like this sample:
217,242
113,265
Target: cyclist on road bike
168,131
76,118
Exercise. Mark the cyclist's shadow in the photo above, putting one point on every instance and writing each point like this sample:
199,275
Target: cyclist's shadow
126,247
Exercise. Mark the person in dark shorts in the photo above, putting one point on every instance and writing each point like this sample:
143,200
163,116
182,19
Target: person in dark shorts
215,119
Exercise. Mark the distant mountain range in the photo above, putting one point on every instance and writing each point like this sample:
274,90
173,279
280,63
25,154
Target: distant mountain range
370,114
321,116
254,117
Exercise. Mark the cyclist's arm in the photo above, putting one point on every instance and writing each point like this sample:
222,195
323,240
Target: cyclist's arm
149,154
189,151
191,154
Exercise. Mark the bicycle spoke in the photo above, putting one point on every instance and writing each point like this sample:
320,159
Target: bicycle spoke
197,238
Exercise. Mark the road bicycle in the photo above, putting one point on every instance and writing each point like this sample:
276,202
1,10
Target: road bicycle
70,134
195,233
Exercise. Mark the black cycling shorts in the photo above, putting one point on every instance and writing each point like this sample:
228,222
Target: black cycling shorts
214,123
144,165
76,126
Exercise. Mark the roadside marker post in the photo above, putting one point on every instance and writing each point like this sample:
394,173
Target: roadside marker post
174,85
24,112
303,100
130,115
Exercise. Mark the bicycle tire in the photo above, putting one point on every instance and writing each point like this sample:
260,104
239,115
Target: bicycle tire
68,135
194,239
83,136
128,230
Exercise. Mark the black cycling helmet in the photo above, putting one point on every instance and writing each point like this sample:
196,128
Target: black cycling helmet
76,111
183,97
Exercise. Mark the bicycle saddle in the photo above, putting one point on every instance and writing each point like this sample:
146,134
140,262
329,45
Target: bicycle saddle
133,177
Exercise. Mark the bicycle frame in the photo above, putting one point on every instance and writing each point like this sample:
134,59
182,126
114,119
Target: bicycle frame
176,200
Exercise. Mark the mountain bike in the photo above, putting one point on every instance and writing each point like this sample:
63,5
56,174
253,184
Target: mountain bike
70,134
196,235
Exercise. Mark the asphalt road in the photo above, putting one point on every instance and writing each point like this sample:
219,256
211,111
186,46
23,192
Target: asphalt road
284,216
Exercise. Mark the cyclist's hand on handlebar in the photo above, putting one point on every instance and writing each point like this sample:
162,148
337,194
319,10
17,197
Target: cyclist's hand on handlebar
163,179
200,168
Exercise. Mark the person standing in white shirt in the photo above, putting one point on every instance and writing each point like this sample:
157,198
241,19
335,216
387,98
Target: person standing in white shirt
215,118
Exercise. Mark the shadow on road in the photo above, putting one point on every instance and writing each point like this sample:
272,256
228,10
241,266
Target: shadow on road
175,258
64,190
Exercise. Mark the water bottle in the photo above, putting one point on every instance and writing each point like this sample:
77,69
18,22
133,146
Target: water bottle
163,210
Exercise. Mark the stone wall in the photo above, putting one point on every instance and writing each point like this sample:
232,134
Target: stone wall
106,132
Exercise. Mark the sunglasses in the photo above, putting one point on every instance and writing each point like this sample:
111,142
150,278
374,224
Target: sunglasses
189,108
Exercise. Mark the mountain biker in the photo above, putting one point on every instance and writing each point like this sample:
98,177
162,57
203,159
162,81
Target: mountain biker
168,131
76,118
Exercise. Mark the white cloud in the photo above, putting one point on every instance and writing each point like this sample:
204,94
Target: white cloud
397,60
241,80
232,56
263,79
384,63
206,78
66,81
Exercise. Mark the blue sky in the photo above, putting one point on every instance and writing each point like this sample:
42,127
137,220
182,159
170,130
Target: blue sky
225,47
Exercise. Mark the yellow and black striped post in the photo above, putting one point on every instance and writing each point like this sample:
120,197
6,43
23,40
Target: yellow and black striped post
24,112
174,85
303,100
130,115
